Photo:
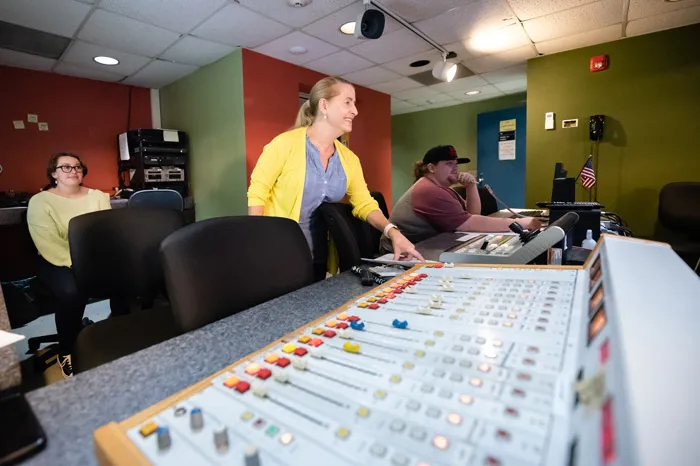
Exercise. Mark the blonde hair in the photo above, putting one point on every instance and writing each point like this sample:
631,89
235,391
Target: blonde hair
420,169
324,89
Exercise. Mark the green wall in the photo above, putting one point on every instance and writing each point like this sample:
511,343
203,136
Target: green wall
208,105
650,96
412,134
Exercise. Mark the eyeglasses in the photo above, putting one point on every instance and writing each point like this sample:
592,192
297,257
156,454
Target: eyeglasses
68,168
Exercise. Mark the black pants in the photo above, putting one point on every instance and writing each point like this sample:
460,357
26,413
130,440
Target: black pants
319,246
69,303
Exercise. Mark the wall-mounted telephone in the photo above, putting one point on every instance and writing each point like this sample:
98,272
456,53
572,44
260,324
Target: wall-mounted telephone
596,127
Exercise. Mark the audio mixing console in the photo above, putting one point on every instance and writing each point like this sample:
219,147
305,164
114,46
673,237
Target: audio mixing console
444,365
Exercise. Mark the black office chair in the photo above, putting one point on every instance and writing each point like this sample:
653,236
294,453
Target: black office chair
679,220
218,267
115,253
159,198
343,229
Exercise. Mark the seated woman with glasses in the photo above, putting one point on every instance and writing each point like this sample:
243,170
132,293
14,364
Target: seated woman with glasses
48,215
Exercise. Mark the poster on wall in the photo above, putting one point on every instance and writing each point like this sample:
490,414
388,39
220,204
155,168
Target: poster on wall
506,140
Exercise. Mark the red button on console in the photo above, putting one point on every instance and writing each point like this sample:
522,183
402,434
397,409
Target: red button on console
264,373
375,305
353,318
329,334
316,342
300,351
283,362
342,325
242,387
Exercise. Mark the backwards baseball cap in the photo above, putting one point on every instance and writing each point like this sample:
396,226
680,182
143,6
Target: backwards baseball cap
440,153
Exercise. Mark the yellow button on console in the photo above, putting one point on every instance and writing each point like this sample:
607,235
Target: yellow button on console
148,429
363,412
439,333
342,433
372,300
318,331
429,343
419,353
363,305
395,379
351,347
289,348
380,394
247,416
379,295
231,381
304,339
252,369
408,365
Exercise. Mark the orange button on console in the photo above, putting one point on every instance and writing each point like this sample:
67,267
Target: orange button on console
304,339
252,369
331,323
342,316
271,358
231,381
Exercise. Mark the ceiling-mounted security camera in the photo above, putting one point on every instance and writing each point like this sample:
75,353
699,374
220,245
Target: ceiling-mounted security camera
369,25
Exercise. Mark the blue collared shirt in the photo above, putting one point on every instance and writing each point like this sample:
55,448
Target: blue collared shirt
319,186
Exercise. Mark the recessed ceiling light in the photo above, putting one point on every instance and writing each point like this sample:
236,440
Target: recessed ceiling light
298,50
419,63
109,61
348,28
472,92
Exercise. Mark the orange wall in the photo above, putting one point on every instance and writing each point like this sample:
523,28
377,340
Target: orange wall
84,117
271,100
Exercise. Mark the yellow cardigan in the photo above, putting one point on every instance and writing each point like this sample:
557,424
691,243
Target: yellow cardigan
277,182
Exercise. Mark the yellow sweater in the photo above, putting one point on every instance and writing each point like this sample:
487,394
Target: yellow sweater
277,182
48,215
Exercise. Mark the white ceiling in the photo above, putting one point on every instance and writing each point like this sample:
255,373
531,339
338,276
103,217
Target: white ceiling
160,41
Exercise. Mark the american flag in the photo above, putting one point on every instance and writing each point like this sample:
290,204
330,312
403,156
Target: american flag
587,174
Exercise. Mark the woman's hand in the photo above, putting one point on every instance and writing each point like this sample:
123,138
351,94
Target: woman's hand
403,248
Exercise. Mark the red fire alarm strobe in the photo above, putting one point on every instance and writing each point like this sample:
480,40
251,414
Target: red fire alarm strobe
599,63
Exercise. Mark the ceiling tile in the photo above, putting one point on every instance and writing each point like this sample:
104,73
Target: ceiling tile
176,15
516,85
481,97
506,74
432,99
670,20
491,41
89,73
392,46
449,103
501,60
159,73
240,27
279,48
194,51
528,9
328,28
126,34
339,63
583,39
487,90
396,85
643,8
405,110
25,60
81,53
295,17
468,83
416,10
402,65
62,17
585,18
370,76
420,93
475,18
397,104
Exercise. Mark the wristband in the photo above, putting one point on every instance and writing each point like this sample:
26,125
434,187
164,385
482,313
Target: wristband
389,227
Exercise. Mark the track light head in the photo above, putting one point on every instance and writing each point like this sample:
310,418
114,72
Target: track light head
370,24
445,71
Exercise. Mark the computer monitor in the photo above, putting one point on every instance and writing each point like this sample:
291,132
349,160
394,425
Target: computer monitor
563,188
559,171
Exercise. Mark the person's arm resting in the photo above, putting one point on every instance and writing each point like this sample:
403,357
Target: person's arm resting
263,178
45,235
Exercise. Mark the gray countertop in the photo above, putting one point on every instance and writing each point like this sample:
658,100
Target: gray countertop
9,364
71,410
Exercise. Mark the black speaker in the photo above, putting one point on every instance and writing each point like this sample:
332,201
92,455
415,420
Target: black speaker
596,127
369,25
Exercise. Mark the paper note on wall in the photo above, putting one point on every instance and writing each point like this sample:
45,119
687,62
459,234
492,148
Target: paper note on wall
18,124
507,125
32,118
43,126
170,136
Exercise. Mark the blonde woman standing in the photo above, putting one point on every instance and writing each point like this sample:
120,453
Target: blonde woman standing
307,166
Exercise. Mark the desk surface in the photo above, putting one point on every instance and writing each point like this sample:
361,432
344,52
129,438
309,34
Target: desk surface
71,410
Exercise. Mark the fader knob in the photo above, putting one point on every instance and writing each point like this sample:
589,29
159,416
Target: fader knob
221,439
251,457
164,439
196,419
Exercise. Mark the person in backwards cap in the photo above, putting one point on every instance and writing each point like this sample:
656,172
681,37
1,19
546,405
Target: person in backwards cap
430,206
